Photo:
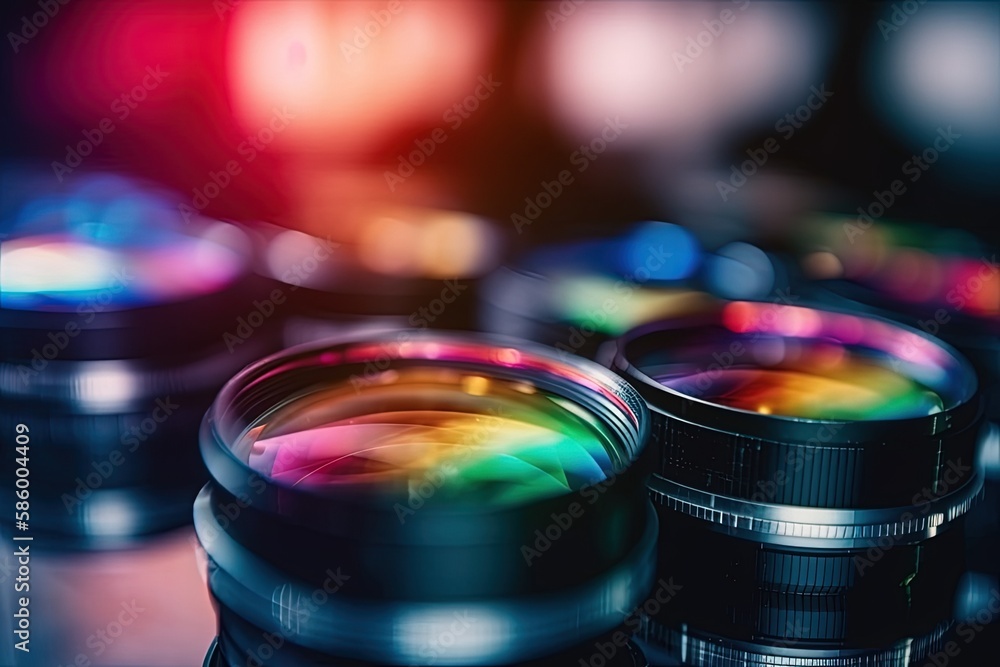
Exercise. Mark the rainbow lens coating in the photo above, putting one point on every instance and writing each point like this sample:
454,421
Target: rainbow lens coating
850,390
809,364
483,440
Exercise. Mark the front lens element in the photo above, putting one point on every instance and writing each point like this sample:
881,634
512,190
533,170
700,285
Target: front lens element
849,389
497,441
809,364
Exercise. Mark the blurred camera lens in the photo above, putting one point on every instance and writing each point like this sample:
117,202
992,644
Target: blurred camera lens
415,498
585,292
383,267
113,345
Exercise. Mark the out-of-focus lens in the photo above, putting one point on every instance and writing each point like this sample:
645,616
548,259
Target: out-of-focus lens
382,267
113,315
901,265
442,474
55,272
584,293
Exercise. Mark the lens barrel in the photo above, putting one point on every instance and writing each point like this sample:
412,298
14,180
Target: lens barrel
813,472
751,460
370,497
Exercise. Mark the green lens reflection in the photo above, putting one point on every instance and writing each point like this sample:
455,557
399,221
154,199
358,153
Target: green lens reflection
469,437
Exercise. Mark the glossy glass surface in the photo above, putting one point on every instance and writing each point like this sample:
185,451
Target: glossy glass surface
433,430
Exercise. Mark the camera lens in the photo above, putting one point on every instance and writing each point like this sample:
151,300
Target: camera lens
101,361
386,266
367,494
802,407
811,435
817,466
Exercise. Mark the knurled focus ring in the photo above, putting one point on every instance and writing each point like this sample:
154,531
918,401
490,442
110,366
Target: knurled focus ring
817,527
820,472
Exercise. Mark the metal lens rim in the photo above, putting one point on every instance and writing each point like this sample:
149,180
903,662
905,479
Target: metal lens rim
620,353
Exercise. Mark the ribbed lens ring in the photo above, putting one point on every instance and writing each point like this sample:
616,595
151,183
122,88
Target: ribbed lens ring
746,602
741,406
751,566
749,603
702,649
439,472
